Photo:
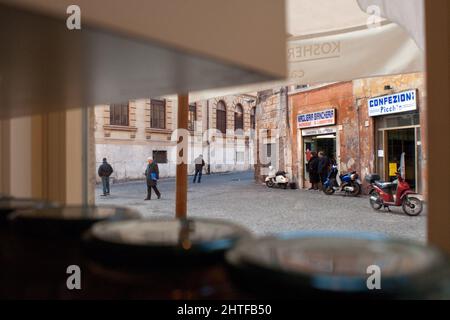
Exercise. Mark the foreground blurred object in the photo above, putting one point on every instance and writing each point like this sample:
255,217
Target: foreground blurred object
338,265
132,49
161,259
8,205
40,246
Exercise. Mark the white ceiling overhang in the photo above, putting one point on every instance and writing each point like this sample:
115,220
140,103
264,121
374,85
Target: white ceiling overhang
335,40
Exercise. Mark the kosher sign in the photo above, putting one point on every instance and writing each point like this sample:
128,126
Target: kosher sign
317,119
395,103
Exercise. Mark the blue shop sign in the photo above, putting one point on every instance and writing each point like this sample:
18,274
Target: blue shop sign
395,103
316,119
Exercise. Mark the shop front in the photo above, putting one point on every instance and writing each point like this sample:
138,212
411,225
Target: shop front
317,133
398,136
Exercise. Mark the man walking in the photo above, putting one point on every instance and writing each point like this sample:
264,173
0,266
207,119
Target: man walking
104,172
152,176
199,164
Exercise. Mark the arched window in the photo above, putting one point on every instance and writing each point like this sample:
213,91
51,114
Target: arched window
239,118
253,118
221,116
192,116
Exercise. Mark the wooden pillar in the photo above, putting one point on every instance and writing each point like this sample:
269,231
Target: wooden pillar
182,156
438,74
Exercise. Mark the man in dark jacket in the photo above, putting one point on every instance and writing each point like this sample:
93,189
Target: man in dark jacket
199,164
313,170
323,167
152,176
104,172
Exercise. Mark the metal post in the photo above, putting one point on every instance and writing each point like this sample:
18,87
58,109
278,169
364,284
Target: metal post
182,156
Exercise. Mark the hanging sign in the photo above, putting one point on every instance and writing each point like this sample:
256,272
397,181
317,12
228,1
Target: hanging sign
395,103
317,119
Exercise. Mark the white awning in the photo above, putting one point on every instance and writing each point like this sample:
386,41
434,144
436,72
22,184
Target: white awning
334,40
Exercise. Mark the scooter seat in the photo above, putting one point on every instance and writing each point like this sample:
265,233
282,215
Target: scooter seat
384,185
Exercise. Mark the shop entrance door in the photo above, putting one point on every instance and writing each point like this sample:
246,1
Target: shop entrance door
325,143
401,154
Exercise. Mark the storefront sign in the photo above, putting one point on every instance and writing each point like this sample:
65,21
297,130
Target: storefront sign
317,119
395,103
318,132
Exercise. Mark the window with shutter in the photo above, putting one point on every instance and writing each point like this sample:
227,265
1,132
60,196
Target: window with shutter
158,114
192,117
253,118
119,114
239,118
221,116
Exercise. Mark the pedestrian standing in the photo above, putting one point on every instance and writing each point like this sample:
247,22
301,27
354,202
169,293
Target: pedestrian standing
152,177
313,170
104,172
199,164
323,167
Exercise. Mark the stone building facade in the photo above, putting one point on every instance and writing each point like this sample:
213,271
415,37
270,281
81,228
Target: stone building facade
128,134
357,140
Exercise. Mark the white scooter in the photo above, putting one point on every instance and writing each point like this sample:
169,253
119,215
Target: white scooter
277,179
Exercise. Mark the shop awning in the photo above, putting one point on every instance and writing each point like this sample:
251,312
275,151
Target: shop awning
341,40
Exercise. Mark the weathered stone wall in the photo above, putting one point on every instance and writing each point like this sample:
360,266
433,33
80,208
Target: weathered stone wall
271,127
337,96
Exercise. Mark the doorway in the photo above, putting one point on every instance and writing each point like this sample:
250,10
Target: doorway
325,143
401,155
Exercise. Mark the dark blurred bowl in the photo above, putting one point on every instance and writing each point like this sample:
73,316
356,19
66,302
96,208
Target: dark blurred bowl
161,258
335,265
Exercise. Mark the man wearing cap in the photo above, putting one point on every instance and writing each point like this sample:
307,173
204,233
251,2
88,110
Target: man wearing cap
152,176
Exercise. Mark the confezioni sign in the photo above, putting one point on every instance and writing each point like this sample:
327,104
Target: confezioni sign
317,119
395,103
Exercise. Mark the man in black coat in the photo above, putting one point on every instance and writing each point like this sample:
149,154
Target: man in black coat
323,167
313,170
152,176
199,164
104,171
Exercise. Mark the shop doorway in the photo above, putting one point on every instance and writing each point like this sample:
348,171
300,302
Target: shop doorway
401,154
325,143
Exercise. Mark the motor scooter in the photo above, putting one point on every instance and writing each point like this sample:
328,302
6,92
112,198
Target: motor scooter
277,179
350,183
394,194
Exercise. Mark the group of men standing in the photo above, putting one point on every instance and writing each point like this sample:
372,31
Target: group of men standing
318,168
151,174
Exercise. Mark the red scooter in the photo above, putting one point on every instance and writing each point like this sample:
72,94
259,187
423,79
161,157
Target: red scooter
394,194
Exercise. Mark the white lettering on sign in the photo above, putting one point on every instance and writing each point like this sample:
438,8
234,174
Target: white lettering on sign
395,103
317,119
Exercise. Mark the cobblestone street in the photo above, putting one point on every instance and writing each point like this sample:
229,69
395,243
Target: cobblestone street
236,197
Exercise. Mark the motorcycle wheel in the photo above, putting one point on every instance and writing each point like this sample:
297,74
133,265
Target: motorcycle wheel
356,190
376,205
269,184
412,206
329,191
285,186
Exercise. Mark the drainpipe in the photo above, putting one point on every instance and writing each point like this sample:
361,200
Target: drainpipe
208,167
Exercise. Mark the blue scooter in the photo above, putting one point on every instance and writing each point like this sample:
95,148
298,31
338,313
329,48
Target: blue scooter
350,183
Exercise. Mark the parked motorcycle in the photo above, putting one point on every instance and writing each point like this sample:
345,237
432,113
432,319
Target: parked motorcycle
277,179
394,194
350,183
